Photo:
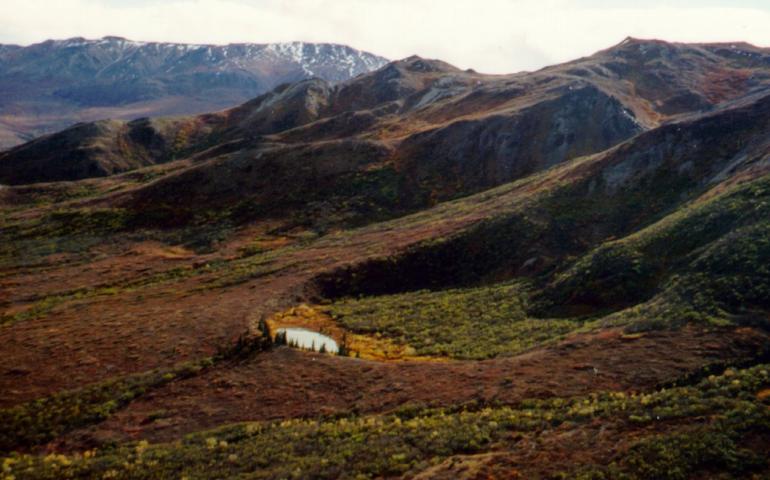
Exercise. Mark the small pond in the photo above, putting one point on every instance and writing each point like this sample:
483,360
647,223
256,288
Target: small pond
309,339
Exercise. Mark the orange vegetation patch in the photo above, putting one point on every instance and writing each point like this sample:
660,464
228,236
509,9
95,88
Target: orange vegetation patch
361,346
724,84
158,249
763,394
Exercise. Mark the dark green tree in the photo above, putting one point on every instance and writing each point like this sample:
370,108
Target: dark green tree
262,326
343,348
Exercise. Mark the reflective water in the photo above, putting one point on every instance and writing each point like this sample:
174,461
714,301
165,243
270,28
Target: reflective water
309,339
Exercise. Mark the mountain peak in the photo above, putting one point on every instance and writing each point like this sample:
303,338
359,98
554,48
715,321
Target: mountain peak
637,40
634,44
631,43
415,63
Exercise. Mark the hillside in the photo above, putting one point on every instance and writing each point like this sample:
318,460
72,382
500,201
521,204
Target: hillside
54,84
555,274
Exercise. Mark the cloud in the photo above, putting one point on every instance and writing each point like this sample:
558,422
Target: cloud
496,36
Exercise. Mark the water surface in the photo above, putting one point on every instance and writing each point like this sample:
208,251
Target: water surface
309,339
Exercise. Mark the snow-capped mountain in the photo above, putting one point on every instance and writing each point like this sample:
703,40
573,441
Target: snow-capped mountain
82,79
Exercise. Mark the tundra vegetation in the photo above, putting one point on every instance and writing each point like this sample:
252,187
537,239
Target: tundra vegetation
715,426
434,220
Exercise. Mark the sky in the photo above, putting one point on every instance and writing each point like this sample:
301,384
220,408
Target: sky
491,36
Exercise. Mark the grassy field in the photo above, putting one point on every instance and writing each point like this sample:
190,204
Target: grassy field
730,410
472,323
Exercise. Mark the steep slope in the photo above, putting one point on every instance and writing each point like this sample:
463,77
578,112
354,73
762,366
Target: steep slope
469,155
50,85
531,226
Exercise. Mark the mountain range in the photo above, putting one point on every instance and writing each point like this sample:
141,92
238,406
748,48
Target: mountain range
54,84
550,274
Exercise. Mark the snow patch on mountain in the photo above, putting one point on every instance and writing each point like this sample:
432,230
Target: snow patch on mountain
118,57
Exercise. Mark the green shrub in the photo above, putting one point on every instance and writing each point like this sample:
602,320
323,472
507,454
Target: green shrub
469,323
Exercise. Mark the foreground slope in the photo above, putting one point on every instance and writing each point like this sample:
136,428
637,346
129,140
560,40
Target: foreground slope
719,424
602,315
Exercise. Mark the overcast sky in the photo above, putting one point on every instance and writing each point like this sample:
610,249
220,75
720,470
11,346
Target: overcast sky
494,36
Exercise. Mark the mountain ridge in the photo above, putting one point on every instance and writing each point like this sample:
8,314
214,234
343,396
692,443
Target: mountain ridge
114,77
448,132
